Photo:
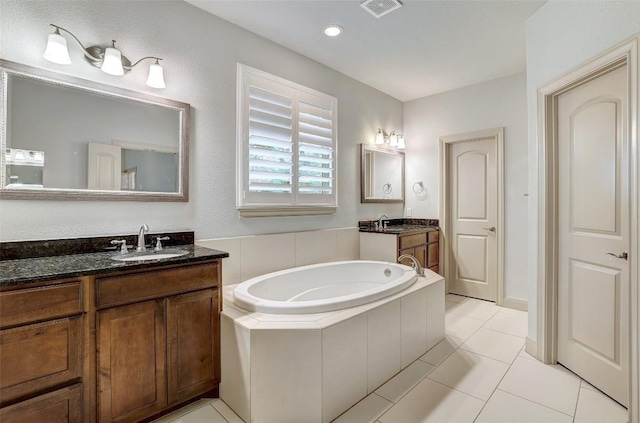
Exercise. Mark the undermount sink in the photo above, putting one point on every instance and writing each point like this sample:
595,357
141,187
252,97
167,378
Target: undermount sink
149,256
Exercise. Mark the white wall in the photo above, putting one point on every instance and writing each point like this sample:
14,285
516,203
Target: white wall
200,54
501,102
560,36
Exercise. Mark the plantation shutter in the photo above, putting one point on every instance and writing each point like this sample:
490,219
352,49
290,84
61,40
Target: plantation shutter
316,165
286,147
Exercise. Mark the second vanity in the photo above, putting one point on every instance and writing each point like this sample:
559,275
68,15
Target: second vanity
395,237
86,338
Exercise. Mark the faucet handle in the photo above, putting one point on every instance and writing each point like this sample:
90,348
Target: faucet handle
159,240
123,243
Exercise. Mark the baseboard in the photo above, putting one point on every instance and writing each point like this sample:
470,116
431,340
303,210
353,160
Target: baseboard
531,347
515,303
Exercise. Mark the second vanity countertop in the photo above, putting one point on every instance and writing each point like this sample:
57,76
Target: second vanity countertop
403,226
29,270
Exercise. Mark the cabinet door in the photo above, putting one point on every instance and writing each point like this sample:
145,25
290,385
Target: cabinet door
131,356
194,349
420,253
433,254
37,357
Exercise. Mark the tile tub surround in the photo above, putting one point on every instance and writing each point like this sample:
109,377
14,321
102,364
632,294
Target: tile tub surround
314,367
247,257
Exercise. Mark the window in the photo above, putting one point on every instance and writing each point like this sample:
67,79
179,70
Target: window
286,145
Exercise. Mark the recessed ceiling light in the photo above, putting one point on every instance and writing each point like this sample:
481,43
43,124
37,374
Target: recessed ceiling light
332,30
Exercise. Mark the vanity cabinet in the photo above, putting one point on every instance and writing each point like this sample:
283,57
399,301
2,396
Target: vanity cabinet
158,340
423,245
41,351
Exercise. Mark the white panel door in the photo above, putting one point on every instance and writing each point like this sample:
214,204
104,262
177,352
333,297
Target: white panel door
593,221
473,194
104,167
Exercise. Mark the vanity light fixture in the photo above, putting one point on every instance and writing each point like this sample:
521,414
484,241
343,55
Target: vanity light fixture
110,60
393,139
332,30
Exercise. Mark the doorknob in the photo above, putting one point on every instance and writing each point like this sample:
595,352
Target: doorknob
490,229
624,255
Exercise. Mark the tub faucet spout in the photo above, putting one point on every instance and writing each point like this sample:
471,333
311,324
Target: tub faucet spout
141,244
414,263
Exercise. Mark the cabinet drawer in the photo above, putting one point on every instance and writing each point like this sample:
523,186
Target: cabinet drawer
142,286
63,405
37,304
38,357
434,236
408,241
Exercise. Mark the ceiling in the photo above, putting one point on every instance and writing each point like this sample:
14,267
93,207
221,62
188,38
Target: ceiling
423,48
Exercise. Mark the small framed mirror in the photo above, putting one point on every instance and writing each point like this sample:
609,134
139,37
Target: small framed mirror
65,138
381,175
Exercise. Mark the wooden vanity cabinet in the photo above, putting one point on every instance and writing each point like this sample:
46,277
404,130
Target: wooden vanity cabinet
158,340
41,339
424,246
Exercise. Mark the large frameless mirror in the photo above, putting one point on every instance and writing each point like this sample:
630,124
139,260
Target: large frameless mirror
65,138
382,175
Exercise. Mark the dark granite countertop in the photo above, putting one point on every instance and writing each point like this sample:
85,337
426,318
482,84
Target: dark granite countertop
401,229
37,269
402,226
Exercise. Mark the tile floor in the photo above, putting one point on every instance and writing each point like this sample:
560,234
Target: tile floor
478,373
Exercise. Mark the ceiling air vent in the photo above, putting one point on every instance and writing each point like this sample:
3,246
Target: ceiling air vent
380,8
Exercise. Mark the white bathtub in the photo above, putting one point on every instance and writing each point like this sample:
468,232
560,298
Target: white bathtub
323,287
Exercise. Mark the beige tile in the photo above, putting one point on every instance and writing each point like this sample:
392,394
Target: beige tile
344,370
206,414
235,356
470,373
595,407
231,265
347,244
400,384
315,247
182,411
476,309
435,313
503,407
586,385
456,298
525,354
460,328
366,411
266,254
509,321
551,386
497,345
383,350
431,402
226,412
413,326
286,375
449,305
437,354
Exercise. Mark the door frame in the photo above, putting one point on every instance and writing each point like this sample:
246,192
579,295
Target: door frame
547,247
497,134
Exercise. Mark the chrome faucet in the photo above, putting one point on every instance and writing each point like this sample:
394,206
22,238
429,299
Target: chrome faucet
414,263
141,244
379,223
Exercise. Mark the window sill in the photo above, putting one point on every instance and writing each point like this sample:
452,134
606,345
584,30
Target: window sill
275,211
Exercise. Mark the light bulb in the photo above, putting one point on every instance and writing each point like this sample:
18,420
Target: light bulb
401,144
393,139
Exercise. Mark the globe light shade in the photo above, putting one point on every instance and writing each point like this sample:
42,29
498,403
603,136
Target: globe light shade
401,144
379,137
